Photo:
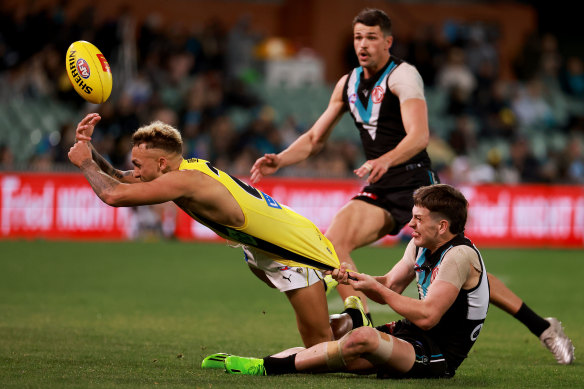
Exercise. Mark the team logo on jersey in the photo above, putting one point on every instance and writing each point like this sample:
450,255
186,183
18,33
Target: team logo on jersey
83,68
353,98
377,94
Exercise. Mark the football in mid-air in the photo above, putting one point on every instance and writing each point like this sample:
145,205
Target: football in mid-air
89,72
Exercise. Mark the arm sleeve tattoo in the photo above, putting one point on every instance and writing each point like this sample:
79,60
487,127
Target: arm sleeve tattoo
107,167
99,180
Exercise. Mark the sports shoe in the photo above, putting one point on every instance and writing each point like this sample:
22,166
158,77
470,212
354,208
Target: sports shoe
329,283
244,365
214,361
354,302
557,342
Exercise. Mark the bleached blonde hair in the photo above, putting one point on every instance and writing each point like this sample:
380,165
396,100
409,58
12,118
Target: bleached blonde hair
158,135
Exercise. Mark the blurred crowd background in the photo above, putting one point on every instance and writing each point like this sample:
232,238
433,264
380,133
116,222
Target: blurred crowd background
228,90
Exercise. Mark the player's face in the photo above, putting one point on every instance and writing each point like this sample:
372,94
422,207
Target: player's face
146,162
371,46
426,228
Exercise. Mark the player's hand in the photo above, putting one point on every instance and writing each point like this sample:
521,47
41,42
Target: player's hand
86,126
264,166
363,282
376,168
342,273
79,153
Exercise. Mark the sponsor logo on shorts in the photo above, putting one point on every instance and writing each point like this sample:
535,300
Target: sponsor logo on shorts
83,68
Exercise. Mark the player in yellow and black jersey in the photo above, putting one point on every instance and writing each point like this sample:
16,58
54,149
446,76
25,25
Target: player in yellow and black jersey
275,239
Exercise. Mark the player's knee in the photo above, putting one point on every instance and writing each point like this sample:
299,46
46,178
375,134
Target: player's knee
362,340
340,324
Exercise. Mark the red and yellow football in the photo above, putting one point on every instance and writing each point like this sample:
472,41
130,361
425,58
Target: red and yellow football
89,72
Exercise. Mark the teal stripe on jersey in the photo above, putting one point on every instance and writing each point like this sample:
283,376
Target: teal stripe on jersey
366,113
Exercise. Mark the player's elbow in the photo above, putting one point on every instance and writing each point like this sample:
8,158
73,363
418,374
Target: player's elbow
112,199
426,324
316,143
425,139
428,321
422,139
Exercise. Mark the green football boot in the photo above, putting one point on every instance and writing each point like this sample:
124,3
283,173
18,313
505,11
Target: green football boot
243,365
354,302
214,361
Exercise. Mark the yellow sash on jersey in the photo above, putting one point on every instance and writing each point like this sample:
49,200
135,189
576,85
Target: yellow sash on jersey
268,225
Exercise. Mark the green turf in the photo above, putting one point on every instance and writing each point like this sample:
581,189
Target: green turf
113,315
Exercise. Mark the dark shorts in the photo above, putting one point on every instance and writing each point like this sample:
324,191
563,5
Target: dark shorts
394,192
430,362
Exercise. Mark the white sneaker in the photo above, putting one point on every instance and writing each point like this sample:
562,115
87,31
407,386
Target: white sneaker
557,342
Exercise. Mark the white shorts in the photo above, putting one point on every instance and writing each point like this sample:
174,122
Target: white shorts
283,277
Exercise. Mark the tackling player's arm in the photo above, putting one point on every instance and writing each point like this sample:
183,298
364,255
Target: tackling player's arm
402,273
455,272
309,143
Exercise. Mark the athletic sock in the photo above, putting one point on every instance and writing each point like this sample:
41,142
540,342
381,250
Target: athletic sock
356,316
535,323
275,366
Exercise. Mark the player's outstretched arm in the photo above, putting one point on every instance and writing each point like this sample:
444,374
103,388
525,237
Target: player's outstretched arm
309,143
83,133
167,187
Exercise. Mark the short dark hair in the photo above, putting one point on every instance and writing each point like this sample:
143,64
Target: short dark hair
374,17
446,201
158,135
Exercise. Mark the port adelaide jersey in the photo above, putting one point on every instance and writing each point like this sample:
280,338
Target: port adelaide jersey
376,111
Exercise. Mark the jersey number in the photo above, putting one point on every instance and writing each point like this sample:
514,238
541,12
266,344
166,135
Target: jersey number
248,188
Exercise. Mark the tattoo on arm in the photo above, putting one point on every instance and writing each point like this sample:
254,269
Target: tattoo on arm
100,181
107,167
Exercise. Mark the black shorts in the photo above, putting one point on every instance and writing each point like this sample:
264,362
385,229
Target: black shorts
430,362
394,192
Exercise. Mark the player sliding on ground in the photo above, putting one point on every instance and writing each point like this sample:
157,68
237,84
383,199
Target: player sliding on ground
278,243
438,329
385,97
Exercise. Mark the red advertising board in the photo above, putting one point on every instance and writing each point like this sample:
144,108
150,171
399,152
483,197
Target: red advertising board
63,206
57,206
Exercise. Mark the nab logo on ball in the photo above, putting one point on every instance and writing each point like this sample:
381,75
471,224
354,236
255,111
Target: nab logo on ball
83,68
89,72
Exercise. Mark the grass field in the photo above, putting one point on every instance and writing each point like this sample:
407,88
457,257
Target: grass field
113,315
